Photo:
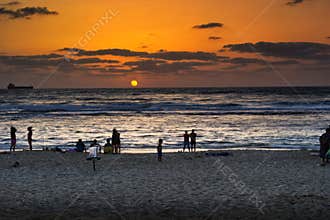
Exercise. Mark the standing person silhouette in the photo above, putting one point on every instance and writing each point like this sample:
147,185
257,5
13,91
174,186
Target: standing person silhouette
13,139
324,146
29,137
115,141
193,136
160,150
186,141
118,142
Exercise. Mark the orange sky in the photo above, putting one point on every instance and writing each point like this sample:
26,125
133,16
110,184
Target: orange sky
143,25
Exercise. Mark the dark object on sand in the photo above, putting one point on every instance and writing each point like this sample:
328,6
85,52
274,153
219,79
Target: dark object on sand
217,154
56,149
12,86
4,152
16,164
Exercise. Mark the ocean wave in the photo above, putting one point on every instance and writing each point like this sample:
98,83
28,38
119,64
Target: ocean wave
118,106
161,108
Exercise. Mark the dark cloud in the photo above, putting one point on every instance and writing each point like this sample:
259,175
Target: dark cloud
93,60
294,50
208,25
214,38
113,52
160,66
244,61
33,61
26,12
36,61
183,55
162,54
10,3
294,2
43,56
285,62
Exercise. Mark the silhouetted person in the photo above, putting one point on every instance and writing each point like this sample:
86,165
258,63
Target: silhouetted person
193,136
94,148
108,147
118,142
186,141
324,146
94,144
160,149
29,137
80,146
115,141
12,139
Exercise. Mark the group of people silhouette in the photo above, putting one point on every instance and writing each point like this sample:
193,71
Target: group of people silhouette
13,139
112,147
112,144
190,145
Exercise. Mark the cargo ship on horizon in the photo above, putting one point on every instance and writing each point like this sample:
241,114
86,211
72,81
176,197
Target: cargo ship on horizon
13,86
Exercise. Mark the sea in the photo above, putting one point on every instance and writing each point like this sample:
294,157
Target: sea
280,118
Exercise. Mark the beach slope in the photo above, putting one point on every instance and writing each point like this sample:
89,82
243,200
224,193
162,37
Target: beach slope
243,185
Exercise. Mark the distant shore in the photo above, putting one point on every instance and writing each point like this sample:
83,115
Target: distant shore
245,185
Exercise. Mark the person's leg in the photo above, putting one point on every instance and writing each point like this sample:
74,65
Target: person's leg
322,161
12,145
30,145
184,146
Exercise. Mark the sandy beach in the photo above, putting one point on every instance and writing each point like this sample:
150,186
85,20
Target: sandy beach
244,185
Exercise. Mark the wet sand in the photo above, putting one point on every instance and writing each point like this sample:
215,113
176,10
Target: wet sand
244,185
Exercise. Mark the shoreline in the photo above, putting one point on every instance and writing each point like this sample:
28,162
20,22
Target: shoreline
148,150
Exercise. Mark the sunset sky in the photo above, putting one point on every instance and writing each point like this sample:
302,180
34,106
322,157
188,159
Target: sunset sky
172,43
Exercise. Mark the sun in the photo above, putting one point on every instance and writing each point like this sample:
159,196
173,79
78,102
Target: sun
134,83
